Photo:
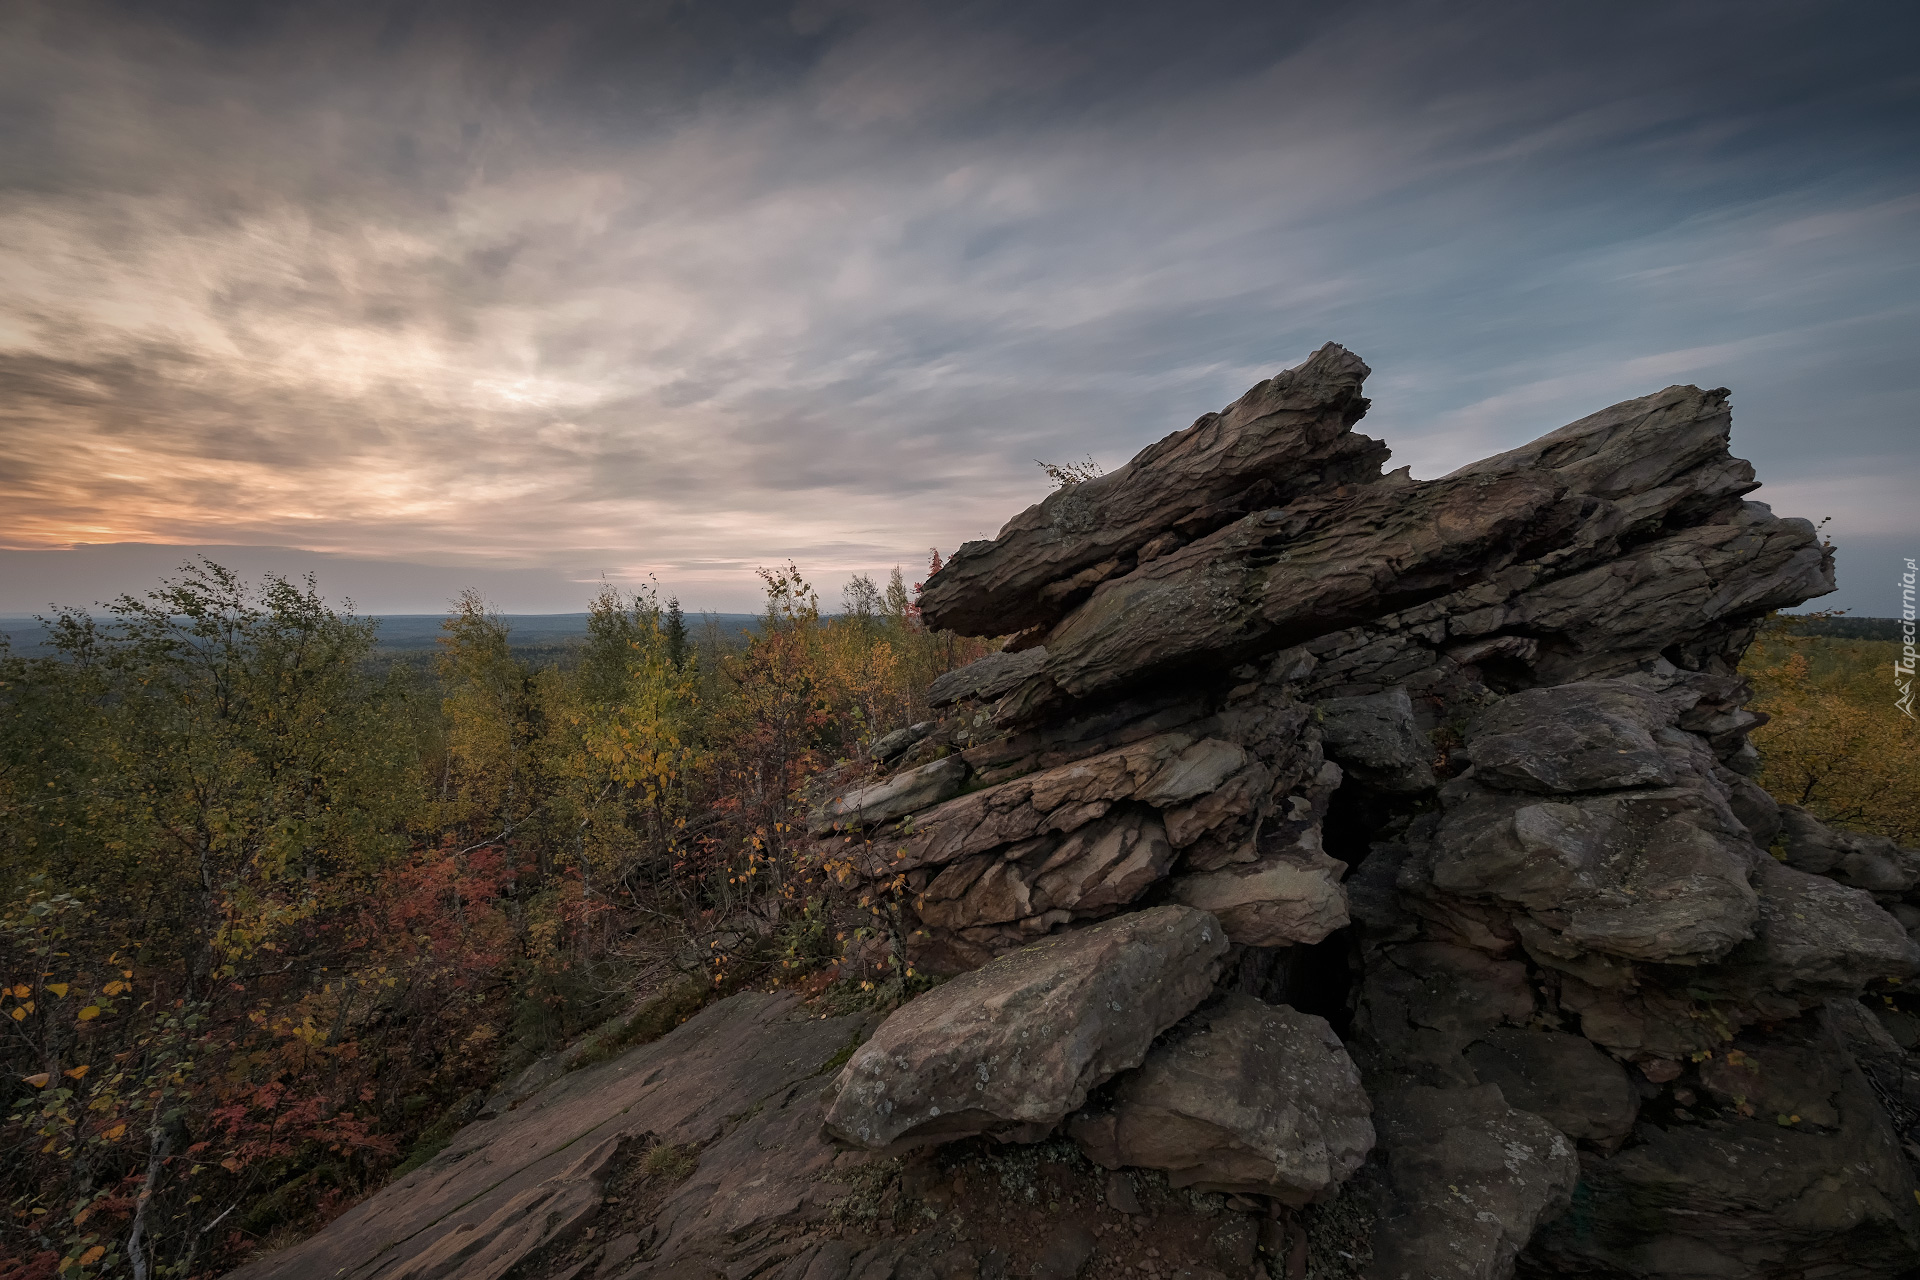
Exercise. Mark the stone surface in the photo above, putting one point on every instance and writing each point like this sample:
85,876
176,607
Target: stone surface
1013,1047
894,798
1471,1179
1274,901
1286,435
1562,1078
514,1184
1279,576
1377,739
1244,1097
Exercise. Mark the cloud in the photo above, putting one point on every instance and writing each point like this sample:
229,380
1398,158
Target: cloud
666,289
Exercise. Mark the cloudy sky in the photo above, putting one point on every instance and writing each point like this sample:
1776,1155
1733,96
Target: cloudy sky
542,293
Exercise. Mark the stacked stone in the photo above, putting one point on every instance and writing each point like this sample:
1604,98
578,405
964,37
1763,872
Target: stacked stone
1479,739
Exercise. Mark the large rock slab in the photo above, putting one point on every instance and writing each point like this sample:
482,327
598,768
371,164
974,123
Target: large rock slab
1284,575
1275,901
891,798
510,1186
1377,740
1687,590
1013,1047
1471,1180
1657,875
1561,1078
1654,457
1167,769
1285,436
1246,1097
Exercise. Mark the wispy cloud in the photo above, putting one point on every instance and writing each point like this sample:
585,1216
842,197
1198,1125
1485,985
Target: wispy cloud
647,289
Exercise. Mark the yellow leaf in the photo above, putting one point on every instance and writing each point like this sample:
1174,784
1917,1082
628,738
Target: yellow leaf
93,1255
19,1015
21,990
58,988
89,1013
78,1072
38,1081
113,1134
114,988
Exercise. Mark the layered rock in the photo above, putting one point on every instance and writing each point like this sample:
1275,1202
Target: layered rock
1247,1098
1506,702
1012,1048
1285,437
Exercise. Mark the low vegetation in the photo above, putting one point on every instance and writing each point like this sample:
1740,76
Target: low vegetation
276,915
1836,743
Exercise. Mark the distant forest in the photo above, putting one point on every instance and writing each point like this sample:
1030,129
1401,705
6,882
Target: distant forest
283,901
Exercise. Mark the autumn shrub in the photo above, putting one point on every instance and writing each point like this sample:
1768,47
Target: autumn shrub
276,916
1835,742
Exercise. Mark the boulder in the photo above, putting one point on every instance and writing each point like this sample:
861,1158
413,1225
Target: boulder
892,798
1288,434
1274,901
890,745
1658,875
1874,863
1377,739
1594,735
1561,1078
1243,1097
1013,1047
1471,1178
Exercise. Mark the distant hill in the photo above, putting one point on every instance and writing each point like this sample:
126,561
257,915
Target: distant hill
418,631
1845,628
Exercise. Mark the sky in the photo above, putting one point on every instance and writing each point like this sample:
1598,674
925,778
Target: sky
540,296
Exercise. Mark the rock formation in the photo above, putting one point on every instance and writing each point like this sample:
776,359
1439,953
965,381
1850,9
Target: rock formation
1326,836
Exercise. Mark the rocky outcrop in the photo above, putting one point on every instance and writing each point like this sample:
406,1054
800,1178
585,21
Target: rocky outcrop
1485,735
1332,842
